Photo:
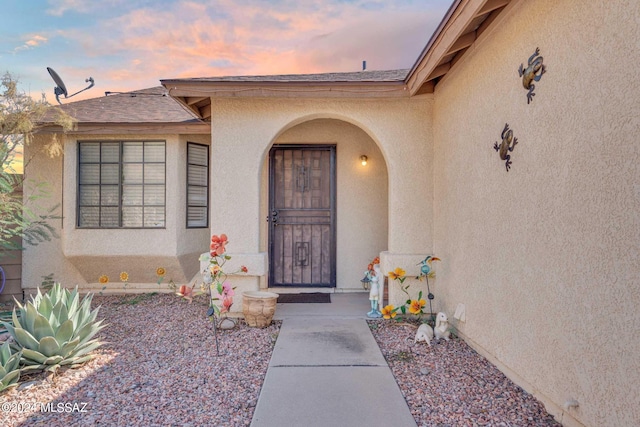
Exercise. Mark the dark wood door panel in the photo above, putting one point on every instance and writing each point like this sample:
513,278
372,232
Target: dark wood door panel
302,216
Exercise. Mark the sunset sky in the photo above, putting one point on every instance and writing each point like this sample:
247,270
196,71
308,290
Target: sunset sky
132,44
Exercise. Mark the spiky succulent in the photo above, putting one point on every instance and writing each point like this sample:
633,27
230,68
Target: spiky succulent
55,329
9,370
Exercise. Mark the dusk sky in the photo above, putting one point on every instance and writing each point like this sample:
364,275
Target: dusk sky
132,44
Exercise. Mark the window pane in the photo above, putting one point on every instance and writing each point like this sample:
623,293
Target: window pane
154,216
89,217
154,152
109,217
109,195
90,174
110,152
110,174
154,195
132,195
90,152
197,196
132,173
132,152
154,173
122,184
132,217
197,155
196,216
89,195
197,175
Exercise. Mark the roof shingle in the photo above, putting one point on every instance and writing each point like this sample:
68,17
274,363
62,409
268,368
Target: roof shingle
152,105
352,77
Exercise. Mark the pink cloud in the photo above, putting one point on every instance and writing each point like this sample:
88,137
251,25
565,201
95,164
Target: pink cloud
32,41
227,37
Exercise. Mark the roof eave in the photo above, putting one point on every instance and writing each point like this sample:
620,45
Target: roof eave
196,95
462,25
226,89
142,128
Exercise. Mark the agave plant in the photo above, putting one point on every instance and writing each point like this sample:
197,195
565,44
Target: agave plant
55,329
9,370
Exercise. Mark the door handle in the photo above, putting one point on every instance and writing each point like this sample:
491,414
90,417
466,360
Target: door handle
273,218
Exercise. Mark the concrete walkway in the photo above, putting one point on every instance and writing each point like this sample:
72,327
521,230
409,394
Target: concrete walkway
327,370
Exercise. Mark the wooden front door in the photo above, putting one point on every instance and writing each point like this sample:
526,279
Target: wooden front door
302,247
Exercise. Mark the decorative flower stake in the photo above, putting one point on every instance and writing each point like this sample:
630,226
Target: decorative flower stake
415,306
215,282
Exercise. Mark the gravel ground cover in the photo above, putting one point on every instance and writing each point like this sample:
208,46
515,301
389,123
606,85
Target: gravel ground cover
159,368
449,384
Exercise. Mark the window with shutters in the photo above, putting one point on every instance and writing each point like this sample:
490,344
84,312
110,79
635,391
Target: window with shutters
197,185
121,184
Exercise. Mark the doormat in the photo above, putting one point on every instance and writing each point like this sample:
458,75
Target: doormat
315,297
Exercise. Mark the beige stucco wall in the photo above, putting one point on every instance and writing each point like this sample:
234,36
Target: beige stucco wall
243,130
80,256
546,257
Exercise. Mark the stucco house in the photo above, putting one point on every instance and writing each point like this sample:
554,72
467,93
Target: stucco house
542,248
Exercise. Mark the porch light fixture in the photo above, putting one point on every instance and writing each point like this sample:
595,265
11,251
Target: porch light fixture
364,159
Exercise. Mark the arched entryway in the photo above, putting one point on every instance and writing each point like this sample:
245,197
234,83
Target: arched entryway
356,217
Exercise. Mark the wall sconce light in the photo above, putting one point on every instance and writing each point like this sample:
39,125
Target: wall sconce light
364,159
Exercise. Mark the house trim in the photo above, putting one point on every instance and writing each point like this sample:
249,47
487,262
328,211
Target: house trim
195,128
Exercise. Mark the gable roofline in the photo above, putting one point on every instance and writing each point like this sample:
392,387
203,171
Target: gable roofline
459,29
461,26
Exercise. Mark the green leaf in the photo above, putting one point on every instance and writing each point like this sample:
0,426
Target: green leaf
49,346
42,328
87,348
13,362
75,363
34,356
10,378
53,360
5,353
30,318
45,307
16,321
64,332
25,339
74,303
88,331
420,295
69,347
60,312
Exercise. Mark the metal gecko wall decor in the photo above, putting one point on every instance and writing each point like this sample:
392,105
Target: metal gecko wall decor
533,72
506,146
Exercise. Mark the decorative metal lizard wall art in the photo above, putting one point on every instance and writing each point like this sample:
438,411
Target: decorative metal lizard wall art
534,71
507,145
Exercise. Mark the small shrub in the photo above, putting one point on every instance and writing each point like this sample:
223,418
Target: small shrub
55,329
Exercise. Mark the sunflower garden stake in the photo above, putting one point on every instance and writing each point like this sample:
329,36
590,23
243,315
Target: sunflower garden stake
414,306
217,287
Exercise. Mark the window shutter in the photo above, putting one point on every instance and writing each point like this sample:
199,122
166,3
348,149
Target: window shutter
197,185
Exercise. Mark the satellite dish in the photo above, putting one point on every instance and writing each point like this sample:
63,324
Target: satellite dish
61,89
